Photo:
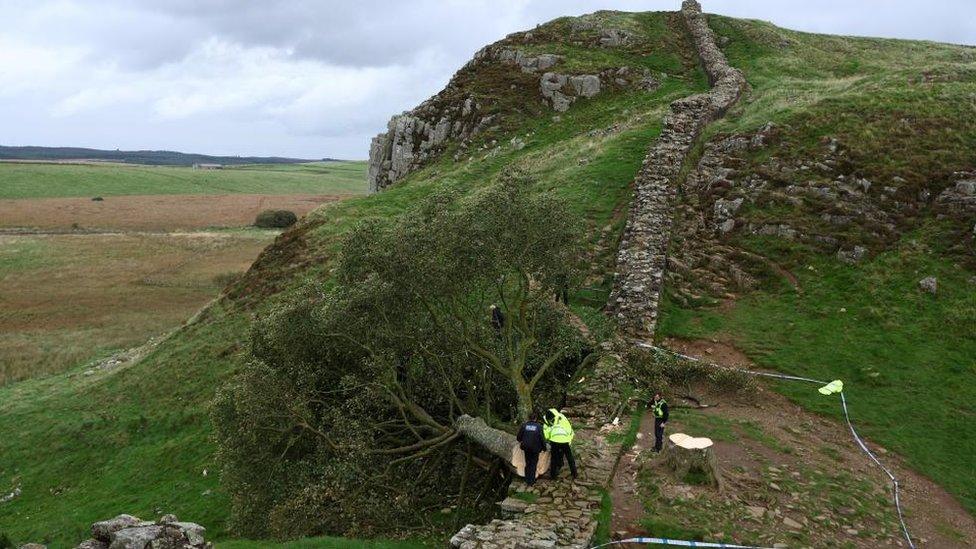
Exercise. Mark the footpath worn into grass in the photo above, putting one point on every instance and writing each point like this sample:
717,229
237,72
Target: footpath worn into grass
19,180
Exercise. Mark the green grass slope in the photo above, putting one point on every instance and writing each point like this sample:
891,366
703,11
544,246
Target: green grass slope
21,180
136,439
906,115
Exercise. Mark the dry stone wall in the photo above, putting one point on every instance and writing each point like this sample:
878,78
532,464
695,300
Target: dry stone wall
642,256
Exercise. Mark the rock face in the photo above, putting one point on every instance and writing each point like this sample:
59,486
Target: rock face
129,532
455,116
560,90
642,256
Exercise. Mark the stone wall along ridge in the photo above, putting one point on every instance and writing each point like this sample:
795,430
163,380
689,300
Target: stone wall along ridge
642,256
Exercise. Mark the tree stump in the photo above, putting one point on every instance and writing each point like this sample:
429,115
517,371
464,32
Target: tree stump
692,460
499,443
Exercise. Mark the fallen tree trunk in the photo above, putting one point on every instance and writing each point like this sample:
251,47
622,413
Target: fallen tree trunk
499,443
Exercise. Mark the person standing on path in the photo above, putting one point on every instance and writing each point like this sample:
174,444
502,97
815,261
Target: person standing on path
659,407
559,433
532,442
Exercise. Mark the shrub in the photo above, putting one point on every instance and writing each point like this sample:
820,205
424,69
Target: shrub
5,542
276,219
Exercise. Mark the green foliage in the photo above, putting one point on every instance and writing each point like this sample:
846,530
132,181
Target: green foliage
353,388
5,542
70,180
275,219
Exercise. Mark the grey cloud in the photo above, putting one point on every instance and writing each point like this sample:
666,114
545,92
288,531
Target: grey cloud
308,77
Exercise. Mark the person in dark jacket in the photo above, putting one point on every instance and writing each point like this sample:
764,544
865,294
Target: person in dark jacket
533,442
659,407
497,318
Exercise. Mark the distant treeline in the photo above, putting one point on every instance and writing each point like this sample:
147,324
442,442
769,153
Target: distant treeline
158,158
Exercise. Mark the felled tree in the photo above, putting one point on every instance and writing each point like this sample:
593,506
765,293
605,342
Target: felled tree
356,385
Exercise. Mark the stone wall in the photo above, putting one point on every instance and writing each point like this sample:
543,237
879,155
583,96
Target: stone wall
642,256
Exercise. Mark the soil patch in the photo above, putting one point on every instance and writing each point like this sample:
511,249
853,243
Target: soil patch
152,212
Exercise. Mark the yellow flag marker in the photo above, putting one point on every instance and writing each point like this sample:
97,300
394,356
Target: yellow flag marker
834,387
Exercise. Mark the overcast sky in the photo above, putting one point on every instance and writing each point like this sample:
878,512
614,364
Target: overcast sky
307,78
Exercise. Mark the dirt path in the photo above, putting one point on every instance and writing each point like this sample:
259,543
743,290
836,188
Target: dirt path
805,459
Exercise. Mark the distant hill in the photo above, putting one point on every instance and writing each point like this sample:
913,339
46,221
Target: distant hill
157,158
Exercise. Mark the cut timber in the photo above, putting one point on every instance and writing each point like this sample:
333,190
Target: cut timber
687,455
500,443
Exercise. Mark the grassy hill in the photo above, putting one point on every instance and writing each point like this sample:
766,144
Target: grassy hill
135,438
68,180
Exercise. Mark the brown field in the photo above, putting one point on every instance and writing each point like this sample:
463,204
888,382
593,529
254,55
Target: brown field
68,298
151,212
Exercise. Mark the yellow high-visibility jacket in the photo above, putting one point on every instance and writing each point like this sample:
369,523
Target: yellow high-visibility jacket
561,430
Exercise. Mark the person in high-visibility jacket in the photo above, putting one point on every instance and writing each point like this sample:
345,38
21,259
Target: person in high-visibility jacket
559,433
659,407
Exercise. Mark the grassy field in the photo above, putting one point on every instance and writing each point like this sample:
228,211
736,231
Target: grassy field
324,543
19,180
70,298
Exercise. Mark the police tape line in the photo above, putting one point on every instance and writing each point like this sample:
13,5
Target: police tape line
679,543
847,417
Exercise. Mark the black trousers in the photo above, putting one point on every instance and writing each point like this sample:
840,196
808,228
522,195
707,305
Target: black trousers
658,435
531,463
559,450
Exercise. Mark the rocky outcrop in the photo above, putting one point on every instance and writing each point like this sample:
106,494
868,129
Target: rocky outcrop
526,62
642,256
560,90
129,532
414,137
454,116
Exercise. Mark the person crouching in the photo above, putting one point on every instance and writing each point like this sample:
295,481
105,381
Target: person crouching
559,433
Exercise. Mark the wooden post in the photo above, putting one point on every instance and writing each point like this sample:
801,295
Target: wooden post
687,455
